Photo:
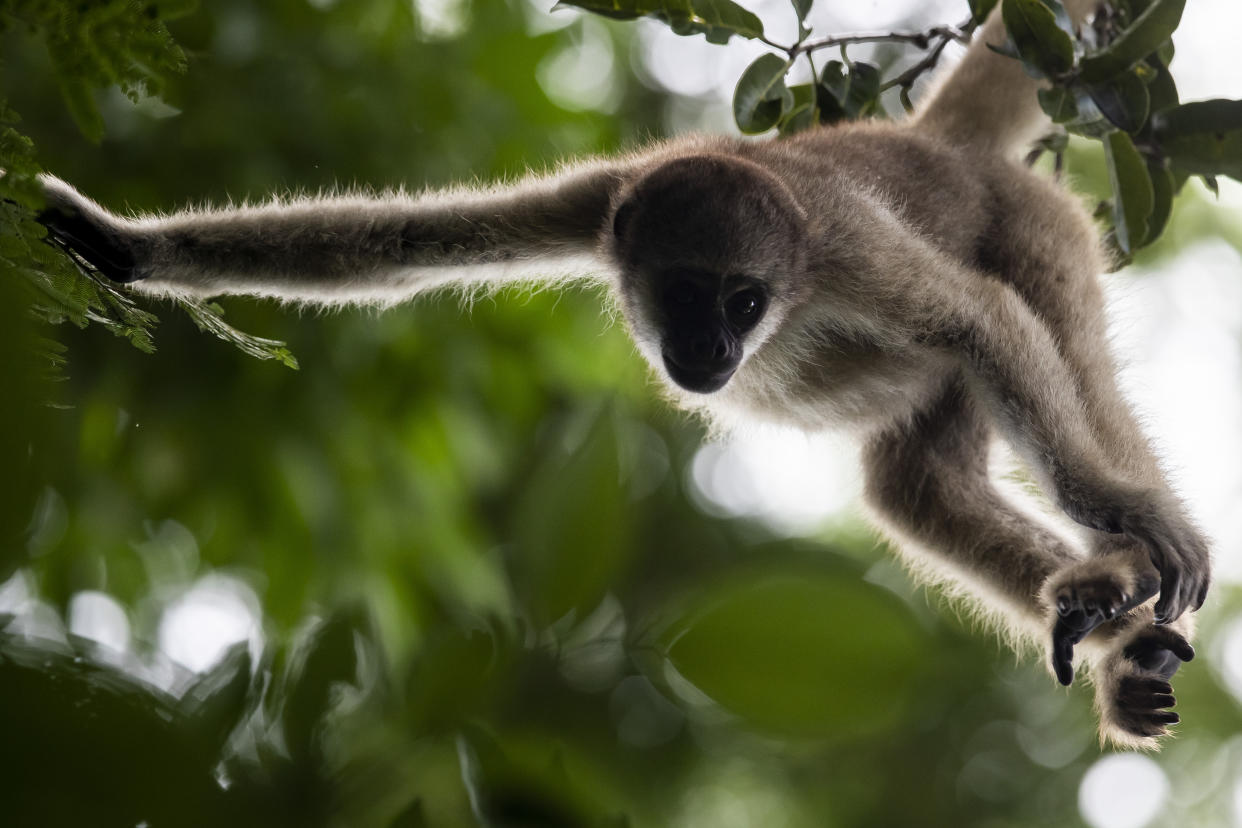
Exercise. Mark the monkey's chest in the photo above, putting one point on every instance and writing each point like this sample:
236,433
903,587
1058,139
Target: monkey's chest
833,385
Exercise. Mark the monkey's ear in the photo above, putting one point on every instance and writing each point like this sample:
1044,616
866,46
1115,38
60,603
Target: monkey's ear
622,219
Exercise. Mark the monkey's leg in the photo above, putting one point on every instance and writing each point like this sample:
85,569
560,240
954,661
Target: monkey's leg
927,481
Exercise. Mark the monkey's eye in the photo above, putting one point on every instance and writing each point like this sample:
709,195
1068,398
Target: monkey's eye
745,307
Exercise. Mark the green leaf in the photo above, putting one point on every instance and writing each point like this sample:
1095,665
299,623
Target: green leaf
1203,137
1133,193
777,652
1147,34
1164,187
1040,42
801,117
863,95
717,20
802,8
209,318
1124,101
1058,104
979,9
1162,89
1090,122
853,95
761,97
803,114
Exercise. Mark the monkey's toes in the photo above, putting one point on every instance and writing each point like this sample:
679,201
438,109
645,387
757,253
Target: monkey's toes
1142,703
1084,604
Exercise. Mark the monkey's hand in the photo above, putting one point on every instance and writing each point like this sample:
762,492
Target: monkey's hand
1132,690
1092,592
87,231
1175,546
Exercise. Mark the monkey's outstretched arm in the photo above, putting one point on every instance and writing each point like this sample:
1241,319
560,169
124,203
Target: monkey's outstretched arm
350,248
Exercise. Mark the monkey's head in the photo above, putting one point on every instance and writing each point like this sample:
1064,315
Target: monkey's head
712,253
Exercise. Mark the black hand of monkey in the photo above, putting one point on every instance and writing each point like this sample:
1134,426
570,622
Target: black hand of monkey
1180,555
71,230
1081,609
1175,547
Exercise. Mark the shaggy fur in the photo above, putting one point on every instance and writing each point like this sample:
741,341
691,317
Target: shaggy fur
919,287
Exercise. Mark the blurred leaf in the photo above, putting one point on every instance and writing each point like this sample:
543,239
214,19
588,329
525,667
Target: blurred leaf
761,96
718,20
172,9
1123,100
411,817
811,656
979,9
214,704
1038,39
1145,35
1203,137
571,524
1132,191
326,658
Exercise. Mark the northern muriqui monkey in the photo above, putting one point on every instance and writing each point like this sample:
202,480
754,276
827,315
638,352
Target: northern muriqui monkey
911,282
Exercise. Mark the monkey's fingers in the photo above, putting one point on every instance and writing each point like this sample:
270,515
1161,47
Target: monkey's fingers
1181,557
1066,632
73,231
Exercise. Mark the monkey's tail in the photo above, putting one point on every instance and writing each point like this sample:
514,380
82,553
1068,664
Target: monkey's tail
987,102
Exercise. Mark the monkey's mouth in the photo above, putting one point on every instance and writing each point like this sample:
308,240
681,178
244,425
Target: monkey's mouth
701,379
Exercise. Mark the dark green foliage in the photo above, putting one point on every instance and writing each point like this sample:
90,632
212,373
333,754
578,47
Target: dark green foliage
717,20
92,46
1118,89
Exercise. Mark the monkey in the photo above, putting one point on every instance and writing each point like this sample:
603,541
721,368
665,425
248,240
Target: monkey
910,282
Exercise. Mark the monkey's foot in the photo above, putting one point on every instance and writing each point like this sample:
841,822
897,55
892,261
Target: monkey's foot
1089,593
1133,693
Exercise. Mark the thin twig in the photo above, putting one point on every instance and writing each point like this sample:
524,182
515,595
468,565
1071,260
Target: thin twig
947,35
921,39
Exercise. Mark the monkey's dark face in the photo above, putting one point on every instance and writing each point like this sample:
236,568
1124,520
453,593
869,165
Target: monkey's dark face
705,319
711,253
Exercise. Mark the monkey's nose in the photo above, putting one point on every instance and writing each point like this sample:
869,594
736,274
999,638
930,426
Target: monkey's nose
710,347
